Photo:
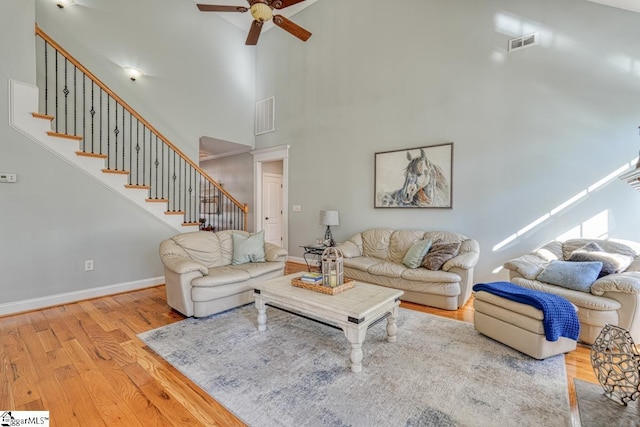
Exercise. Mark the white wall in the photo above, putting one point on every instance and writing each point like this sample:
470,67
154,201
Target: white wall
531,129
54,217
199,75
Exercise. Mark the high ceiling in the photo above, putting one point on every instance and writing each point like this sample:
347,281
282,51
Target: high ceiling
632,5
211,148
243,20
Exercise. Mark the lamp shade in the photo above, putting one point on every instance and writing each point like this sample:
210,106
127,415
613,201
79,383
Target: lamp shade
329,218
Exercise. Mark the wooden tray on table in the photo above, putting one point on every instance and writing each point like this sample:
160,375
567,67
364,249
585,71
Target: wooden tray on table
348,284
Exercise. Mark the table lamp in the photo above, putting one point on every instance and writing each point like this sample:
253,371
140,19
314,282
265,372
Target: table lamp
329,218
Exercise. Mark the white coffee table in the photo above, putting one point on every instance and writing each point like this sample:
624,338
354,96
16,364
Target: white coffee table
352,310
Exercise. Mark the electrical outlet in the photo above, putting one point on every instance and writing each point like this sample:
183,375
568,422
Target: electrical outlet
88,265
8,177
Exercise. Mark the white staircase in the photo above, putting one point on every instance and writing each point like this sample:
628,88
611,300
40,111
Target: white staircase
23,103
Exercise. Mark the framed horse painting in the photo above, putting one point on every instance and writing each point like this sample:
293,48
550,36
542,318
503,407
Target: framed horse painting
417,177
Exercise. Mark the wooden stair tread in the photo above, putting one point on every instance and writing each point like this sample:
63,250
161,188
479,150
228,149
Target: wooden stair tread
42,116
96,155
115,171
174,213
64,135
157,200
138,187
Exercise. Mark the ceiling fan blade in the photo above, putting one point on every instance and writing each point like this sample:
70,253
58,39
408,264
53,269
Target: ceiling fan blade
254,33
291,27
281,4
216,8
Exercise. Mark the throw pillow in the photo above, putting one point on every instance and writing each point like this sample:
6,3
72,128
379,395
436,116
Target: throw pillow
439,254
611,263
578,276
248,248
416,253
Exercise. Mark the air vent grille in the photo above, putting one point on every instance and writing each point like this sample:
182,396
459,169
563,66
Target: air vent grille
265,115
522,42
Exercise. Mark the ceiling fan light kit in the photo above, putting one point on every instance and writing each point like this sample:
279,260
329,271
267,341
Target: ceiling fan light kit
262,11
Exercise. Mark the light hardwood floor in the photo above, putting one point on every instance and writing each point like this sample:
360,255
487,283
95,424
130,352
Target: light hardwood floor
84,363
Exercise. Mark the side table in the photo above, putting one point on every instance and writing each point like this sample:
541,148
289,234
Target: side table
312,255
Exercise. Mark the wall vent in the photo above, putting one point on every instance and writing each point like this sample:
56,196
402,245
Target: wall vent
265,115
522,42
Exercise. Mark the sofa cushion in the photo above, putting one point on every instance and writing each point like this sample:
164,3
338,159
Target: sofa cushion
439,254
361,263
248,249
400,242
415,254
610,246
220,276
375,242
585,300
388,269
611,262
578,276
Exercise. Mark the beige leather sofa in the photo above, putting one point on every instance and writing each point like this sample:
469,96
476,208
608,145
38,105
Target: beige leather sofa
376,256
199,275
613,298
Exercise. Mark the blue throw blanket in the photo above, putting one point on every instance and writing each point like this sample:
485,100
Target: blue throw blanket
560,318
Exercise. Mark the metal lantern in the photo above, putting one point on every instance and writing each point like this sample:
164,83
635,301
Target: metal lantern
332,267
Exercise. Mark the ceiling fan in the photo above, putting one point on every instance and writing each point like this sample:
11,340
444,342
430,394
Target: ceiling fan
262,11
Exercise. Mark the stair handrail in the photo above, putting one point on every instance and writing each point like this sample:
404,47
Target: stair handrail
242,206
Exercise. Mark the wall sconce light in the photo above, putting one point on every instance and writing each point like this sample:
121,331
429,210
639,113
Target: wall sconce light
62,3
133,73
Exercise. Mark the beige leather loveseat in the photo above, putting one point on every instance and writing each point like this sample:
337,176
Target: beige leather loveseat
379,256
206,273
613,298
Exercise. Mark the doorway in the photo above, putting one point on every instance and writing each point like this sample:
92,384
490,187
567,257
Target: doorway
266,162
272,205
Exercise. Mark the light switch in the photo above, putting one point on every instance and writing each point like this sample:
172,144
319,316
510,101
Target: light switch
296,208
7,177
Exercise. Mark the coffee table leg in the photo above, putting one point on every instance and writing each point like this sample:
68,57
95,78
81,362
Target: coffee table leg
356,338
262,314
392,328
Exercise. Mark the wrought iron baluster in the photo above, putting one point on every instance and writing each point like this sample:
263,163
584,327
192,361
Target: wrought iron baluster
75,100
123,146
84,112
138,154
156,163
56,97
65,91
108,133
100,120
46,77
116,132
93,114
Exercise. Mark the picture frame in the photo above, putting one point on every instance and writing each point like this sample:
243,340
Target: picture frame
418,177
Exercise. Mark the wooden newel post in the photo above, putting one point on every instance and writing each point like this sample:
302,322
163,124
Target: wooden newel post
332,267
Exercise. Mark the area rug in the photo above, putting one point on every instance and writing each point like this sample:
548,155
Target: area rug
596,410
440,372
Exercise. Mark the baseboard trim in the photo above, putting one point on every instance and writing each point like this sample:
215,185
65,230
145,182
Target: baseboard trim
70,297
297,260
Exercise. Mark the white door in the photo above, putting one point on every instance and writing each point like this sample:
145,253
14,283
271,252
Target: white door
272,208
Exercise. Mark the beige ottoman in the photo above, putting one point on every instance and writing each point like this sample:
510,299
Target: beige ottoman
517,325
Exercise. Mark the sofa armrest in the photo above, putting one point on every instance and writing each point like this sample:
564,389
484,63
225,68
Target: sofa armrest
464,261
181,265
349,249
527,266
627,282
274,253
